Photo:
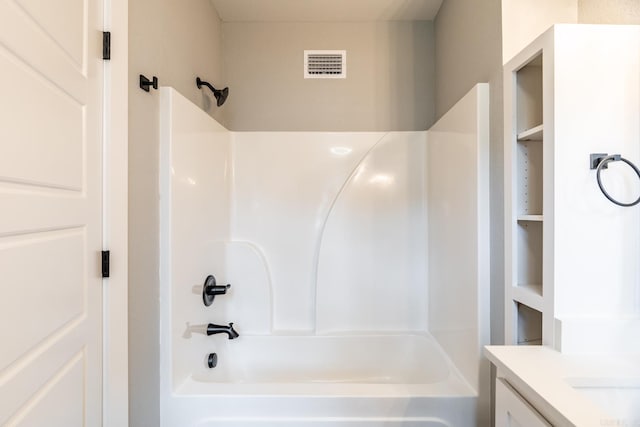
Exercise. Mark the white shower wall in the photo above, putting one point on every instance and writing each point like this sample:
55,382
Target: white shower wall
195,175
372,264
341,221
458,177
284,186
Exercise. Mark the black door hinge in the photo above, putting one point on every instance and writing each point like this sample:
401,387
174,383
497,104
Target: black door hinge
105,263
106,45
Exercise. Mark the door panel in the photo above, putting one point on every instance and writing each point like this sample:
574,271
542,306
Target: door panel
30,121
43,287
50,212
45,407
22,36
65,28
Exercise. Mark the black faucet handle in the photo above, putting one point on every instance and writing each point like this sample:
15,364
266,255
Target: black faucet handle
210,290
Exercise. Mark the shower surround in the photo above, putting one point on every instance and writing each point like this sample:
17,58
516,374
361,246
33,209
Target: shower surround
358,264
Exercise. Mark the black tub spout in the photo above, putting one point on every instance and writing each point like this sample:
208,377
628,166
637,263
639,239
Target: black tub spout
220,329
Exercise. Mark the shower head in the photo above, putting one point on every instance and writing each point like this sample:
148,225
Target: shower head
221,95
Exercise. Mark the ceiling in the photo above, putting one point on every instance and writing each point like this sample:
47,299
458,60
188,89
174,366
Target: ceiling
326,10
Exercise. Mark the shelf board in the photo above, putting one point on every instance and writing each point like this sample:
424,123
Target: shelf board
533,134
529,295
534,341
527,217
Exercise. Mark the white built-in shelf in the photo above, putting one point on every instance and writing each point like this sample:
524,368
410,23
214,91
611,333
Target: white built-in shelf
525,252
535,341
527,217
529,295
533,134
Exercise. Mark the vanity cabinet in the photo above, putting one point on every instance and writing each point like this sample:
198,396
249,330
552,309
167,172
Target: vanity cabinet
573,91
512,410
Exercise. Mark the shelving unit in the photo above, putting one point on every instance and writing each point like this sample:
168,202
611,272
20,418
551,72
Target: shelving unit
571,92
525,213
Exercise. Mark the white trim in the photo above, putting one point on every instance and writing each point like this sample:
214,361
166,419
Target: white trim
116,130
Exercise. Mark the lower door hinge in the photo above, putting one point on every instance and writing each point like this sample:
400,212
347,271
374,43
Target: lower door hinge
105,263
106,45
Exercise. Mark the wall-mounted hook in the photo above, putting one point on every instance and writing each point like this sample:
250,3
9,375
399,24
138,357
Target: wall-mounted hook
145,83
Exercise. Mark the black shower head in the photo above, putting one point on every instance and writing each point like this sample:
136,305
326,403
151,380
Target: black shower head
221,95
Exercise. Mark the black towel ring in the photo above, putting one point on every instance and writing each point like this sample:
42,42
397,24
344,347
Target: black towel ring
602,164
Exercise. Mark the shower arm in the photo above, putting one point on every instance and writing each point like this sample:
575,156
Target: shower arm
200,82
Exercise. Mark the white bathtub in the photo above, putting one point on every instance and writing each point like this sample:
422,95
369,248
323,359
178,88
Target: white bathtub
350,380
312,240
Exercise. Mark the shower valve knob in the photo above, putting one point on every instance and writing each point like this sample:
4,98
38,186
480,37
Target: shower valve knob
210,290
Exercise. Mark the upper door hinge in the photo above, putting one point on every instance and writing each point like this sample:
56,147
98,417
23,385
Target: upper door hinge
106,45
105,264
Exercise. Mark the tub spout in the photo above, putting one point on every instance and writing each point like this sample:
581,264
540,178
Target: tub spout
220,329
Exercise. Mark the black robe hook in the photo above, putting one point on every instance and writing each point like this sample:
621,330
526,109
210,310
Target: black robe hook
145,83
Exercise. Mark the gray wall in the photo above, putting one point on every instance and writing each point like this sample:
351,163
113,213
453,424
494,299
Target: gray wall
389,84
468,39
175,43
609,11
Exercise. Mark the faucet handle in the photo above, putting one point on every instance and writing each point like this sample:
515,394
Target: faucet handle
210,290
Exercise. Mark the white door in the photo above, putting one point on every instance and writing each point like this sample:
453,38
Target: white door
50,213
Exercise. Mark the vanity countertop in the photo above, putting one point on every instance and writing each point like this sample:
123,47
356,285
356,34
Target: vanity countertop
573,389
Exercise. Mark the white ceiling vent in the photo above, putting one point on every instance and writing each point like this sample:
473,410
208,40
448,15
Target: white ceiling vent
325,64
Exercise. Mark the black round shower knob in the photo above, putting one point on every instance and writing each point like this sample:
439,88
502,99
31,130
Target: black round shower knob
212,360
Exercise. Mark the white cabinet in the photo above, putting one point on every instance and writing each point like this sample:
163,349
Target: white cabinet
574,91
513,411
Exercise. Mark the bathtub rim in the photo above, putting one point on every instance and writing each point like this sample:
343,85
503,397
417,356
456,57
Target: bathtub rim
452,387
